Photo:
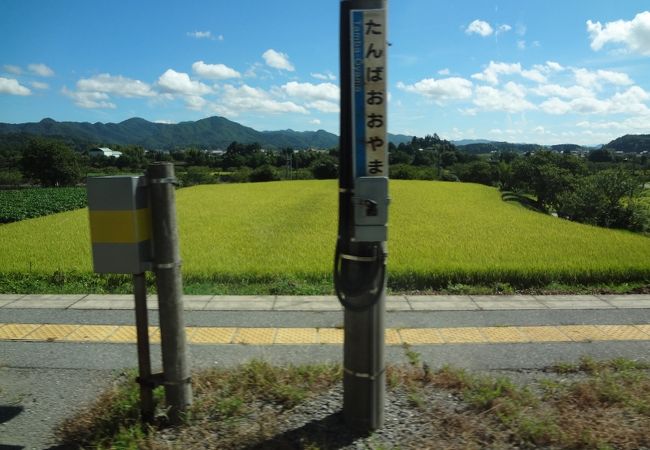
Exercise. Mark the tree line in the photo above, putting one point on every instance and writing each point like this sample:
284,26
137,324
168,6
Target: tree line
604,188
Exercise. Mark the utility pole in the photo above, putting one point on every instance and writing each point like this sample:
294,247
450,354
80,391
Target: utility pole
360,258
167,267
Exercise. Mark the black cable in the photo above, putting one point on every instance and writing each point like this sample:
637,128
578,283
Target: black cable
363,295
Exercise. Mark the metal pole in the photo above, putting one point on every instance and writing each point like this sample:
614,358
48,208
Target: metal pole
364,378
144,359
166,264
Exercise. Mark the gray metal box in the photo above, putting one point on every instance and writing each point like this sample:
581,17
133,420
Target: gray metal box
120,224
371,209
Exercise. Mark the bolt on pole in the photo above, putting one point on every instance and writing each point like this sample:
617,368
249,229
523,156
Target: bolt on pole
166,265
360,259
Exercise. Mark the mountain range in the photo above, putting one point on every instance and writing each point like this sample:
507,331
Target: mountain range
218,132
210,133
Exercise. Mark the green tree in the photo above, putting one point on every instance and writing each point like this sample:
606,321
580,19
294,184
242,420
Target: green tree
51,163
325,168
546,175
610,198
264,173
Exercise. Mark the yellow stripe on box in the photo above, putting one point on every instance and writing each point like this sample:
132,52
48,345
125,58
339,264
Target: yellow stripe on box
120,227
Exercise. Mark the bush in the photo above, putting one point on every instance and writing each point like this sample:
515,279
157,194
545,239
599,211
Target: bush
10,178
197,175
264,173
325,168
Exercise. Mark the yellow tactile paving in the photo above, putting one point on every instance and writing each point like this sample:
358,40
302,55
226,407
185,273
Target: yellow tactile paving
51,332
544,334
392,337
91,333
17,330
584,333
123,334
503,334
330,336
644,328
210,335
461,335
420,336
296,336
307,336
622,332
254,336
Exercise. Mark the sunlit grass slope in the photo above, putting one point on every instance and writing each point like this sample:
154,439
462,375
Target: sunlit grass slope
439,233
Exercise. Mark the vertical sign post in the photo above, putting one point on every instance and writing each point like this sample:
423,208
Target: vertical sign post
360,259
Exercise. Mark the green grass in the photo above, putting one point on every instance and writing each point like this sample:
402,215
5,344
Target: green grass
596,405
283,234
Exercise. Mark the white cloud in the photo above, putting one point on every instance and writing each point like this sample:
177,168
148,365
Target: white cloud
195,102
327,76
555,90
633,34
479,27
593,79
173,82
12,87
632,125
534,75
503,29
89,100
214,71
511,99
41,70
117,85
277,60
617,78
553,66
200,34
521,45
309,91
315,122
15,70
246,98
454,88
39,85
324,106
631,101
555,106
444,72
494,69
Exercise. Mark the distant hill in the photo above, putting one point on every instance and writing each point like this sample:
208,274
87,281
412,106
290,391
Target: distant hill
471,141
213,132
630,143
493,146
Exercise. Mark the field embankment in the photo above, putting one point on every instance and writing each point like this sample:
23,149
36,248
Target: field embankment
282,234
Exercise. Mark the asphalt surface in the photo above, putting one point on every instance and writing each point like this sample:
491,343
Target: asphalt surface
43,382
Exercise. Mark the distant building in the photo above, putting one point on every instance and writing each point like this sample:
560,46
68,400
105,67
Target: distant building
104,151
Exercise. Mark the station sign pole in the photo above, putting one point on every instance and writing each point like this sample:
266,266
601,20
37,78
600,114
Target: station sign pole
360,257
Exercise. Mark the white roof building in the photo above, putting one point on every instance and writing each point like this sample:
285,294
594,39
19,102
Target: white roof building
104,151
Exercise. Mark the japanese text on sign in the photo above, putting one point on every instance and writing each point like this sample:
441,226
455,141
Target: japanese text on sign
368,40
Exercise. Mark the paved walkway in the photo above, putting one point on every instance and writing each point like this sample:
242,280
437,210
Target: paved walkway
330,303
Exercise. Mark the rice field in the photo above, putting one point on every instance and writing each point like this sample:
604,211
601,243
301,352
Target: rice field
440,233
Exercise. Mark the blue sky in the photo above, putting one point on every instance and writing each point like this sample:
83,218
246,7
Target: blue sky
522,71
